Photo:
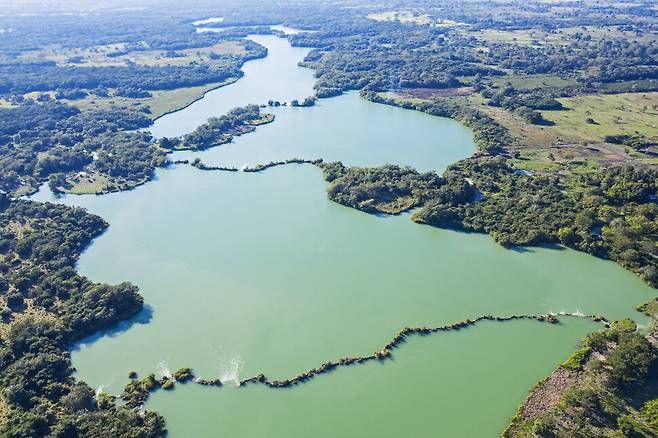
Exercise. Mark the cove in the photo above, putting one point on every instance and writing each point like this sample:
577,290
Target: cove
247,273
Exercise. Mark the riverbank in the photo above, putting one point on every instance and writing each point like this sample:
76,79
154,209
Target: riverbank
608,386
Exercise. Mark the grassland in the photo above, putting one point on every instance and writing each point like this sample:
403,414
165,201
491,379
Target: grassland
100,56
166,101
613,114
161,102
89,184
538,38
531,82
531,38
414,18
572,144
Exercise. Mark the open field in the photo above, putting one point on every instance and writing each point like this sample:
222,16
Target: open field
571,144
531,82
537,37
89,184
532,38
102,56
161,102
428,93
413,17
574,144
166,101
613,114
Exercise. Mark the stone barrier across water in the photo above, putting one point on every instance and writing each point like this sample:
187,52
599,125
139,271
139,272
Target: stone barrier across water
379,355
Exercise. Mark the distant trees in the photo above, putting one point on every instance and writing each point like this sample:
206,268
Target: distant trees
25,78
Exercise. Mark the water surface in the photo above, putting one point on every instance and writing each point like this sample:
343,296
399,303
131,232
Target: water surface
349,129
275,77
246,273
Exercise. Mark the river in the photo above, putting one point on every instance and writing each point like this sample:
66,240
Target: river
247,273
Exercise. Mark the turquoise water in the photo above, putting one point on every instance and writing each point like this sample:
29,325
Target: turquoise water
349,129
275,77
246,273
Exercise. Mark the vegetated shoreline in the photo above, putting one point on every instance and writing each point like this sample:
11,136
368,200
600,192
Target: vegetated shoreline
559,22
485,146
611,368
226,83
137,392
144,387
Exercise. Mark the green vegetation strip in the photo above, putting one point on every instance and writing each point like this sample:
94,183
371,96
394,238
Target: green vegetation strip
136,392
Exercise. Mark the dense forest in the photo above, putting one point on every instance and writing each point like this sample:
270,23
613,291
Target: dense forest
50,140
391,55
609,215
47,307
25,78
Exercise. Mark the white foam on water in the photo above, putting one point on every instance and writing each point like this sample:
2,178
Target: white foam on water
164,371
230,371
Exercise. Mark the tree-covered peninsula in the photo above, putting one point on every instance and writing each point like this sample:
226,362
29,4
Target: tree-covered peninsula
46,307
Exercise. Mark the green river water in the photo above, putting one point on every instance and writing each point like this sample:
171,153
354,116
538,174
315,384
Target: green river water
247,273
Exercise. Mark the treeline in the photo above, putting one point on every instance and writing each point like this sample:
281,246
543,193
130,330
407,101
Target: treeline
40,140
66,147
357,53
385,56
604,60
25,78
612,214
145,29
489,135
46,307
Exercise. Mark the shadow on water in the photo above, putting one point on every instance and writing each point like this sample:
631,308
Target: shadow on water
531,249
144,316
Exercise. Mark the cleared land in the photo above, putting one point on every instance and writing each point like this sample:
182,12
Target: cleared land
413,17
613,114
571,144
111,55
161,102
